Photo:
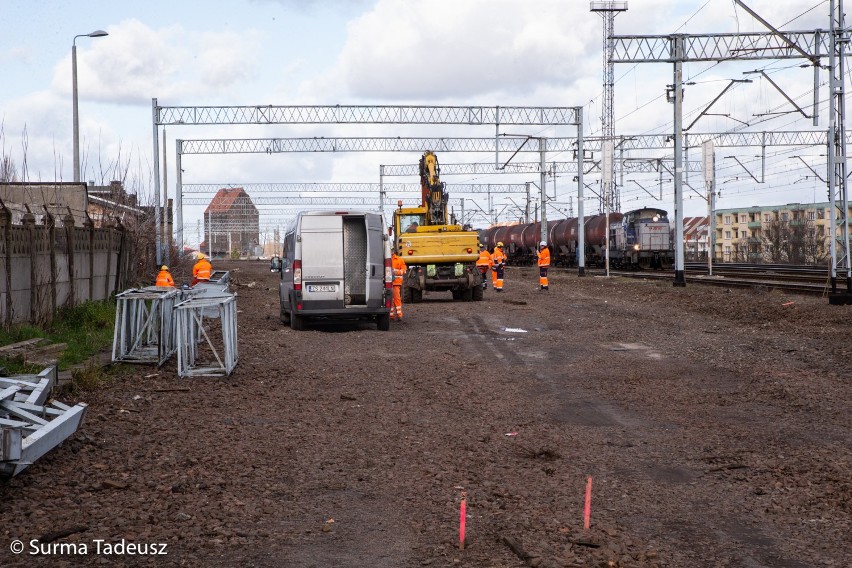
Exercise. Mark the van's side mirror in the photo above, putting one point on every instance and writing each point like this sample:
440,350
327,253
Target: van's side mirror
275,265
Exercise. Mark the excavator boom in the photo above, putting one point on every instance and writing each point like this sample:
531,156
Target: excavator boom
434,196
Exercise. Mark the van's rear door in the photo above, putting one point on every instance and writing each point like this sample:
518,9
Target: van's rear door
375,259
322,259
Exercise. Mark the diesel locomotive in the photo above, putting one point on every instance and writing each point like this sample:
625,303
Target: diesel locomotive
637,239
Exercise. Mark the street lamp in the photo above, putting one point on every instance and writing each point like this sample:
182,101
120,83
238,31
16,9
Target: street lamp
96,33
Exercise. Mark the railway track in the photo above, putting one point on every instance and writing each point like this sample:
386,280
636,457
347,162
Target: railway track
789,278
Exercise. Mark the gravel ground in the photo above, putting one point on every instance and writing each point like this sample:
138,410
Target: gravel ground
714,424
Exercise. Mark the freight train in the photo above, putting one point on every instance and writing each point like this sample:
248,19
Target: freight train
637,239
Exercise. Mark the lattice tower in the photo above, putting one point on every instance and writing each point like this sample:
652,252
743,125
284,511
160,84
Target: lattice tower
608,10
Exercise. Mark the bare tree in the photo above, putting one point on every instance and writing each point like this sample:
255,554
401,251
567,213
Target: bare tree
811,246
8,169
774,240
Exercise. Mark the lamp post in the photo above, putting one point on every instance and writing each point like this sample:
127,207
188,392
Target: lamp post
96,33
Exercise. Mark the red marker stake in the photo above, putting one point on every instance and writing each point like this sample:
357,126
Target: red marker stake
587,510
462,516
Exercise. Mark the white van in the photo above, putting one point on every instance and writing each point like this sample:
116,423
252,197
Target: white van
335,264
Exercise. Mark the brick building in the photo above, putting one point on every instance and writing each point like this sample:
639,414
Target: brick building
231,224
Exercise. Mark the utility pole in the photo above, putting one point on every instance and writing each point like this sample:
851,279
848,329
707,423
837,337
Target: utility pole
382,194
677,99
581,224
710,184
157,242
165,236
838,182
606,169
542,144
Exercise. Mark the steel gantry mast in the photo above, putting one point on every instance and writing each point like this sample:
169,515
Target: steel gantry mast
474,145
838,188
357,187
374,144
608,11
680,48
345,114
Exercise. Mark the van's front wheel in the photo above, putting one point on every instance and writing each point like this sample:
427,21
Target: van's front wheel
383,322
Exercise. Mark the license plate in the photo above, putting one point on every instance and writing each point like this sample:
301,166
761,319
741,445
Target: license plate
321,287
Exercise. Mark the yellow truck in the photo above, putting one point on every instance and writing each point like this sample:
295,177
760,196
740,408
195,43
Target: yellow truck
440,255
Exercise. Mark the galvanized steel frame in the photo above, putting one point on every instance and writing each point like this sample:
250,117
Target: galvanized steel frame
592,143
364,114
365,144
367,202
144,325
373,188
192,328
29,425
720,47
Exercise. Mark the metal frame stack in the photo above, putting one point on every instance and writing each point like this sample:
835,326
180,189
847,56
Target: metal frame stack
144,326
192,325
30,426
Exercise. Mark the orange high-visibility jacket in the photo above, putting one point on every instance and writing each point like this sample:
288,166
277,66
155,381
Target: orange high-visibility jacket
202,270
484,259
544,257
164,278
498,256
399,268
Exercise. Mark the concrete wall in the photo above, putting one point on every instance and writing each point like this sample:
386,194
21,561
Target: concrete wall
44,267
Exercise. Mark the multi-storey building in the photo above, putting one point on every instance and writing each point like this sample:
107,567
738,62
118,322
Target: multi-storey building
795,233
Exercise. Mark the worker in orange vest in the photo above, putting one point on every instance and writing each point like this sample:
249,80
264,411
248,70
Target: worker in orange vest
483,263
164,278
399,268
543,265
202,270
499,258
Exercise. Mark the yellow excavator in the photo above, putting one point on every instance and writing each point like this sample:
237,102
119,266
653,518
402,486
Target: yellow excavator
440,254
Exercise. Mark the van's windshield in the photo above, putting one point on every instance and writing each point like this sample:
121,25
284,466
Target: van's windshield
409,223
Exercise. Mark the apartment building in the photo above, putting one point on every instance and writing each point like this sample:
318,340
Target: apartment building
794,233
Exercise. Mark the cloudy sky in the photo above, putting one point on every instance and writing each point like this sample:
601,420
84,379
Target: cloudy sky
363,52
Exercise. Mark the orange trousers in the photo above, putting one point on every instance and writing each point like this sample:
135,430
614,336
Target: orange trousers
497,277
396,308
542,276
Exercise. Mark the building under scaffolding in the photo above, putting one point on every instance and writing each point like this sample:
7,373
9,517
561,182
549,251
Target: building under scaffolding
231,224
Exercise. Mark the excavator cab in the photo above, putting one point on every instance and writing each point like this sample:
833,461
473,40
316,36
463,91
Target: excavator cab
410,222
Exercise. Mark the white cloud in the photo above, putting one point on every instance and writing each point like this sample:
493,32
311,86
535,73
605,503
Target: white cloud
226,59
136,62
16,54
452,50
